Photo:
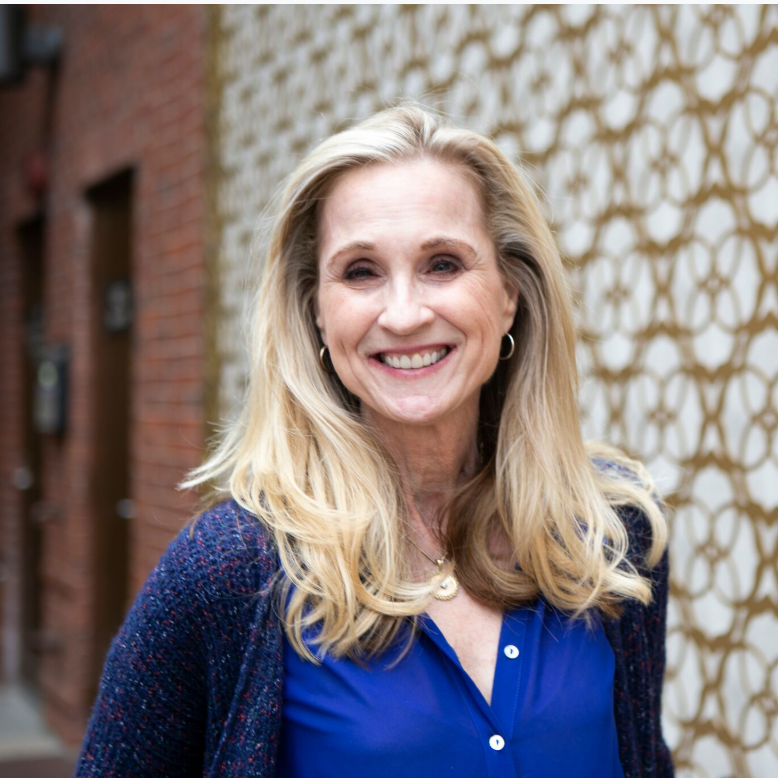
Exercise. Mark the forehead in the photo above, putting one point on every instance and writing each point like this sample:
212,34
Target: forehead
399,203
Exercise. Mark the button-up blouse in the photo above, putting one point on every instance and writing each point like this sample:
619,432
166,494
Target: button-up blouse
551,714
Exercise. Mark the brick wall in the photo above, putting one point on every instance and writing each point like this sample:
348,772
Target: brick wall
129,92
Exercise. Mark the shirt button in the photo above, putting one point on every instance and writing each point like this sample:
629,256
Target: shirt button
496,742
511,652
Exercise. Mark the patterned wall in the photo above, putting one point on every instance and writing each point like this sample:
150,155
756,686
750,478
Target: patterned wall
654,133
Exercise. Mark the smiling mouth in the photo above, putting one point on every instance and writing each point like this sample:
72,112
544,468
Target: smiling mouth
413,361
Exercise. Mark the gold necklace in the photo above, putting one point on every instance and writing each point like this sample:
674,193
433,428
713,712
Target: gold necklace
443,585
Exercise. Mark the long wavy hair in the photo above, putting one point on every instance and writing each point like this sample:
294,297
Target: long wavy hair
300,458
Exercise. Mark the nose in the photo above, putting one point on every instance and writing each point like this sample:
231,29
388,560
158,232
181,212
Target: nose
405,308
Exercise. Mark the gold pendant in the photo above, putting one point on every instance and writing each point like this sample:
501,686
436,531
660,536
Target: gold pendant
443,585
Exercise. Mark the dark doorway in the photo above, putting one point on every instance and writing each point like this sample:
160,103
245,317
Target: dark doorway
28,476
111,241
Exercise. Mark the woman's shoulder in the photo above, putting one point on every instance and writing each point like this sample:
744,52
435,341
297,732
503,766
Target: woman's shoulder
635,519
223,550
635,475
625,470
227,524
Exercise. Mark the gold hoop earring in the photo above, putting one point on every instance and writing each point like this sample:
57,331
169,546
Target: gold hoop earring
323,364
513,347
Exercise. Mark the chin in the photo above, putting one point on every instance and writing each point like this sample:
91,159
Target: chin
413,411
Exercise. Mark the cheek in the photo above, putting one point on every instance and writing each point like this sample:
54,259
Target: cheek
345,321
330,309
481,312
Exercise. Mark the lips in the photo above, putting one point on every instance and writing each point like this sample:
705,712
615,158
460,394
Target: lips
415,360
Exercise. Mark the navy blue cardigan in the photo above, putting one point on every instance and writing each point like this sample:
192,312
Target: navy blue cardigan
192,685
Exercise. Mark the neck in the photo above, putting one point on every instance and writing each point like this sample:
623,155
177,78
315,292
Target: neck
431,461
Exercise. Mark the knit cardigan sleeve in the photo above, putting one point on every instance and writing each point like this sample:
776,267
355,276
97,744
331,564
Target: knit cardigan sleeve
661,582
656,626
170,676
638,639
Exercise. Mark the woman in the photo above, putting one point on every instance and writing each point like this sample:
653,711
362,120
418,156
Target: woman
421,569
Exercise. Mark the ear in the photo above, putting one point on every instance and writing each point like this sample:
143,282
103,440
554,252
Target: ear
511,303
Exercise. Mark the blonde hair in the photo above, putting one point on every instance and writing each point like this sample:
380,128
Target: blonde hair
301,459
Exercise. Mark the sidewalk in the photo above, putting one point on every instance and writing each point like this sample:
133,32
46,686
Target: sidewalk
28,749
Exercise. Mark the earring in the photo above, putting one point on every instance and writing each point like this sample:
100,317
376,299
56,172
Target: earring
513,347
323,364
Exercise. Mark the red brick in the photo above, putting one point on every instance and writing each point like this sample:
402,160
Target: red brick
129,93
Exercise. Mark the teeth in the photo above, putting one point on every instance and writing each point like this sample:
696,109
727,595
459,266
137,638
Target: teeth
414,361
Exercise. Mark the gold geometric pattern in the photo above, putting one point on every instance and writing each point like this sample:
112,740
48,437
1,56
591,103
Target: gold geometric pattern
653,132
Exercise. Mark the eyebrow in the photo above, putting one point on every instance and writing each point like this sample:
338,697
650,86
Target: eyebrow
432,243
349,247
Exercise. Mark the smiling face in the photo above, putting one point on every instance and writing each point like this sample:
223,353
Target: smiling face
410,300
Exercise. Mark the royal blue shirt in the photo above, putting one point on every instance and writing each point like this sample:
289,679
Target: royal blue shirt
551,714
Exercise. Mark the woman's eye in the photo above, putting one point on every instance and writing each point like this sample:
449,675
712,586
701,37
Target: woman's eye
358,273
444,265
